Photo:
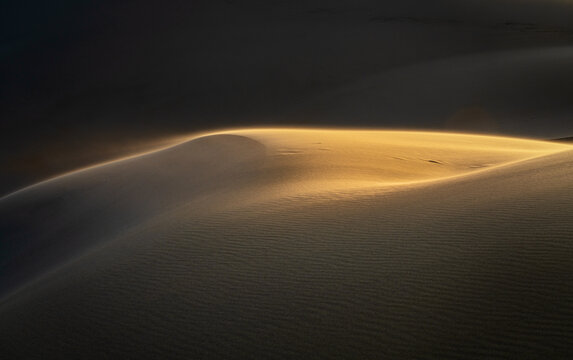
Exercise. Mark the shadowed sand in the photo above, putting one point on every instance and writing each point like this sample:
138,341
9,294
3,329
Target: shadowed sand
291,243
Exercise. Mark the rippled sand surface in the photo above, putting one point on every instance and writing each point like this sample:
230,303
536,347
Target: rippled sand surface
297,243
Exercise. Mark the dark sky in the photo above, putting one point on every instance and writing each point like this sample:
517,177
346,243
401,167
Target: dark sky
84,81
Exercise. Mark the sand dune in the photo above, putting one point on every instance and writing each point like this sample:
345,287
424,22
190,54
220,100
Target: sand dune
292,243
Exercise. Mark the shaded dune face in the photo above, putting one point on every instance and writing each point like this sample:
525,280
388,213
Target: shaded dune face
46,224
286,243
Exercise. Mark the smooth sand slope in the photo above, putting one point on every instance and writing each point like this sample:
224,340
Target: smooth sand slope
291,243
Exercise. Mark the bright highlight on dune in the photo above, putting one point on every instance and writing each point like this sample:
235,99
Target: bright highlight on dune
321,160
314,243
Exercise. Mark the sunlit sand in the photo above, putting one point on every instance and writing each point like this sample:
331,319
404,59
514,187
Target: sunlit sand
294,161
325,160
364,235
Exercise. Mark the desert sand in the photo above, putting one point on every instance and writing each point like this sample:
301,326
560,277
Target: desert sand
296,243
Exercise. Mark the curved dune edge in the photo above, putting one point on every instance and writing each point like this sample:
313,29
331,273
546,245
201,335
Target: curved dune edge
319,160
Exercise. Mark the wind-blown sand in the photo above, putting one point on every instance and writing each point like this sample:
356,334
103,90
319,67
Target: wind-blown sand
291,243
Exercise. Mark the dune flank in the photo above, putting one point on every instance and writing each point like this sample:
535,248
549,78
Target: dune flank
326,160
296,243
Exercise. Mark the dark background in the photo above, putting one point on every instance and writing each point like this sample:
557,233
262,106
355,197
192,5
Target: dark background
86,81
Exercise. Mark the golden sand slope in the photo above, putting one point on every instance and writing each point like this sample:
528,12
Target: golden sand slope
282,243
237,168
318,160
350,158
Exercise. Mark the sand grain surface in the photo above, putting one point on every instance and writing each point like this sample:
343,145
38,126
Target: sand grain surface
292,243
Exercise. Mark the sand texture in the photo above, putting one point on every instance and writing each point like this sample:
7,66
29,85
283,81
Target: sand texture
296,243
